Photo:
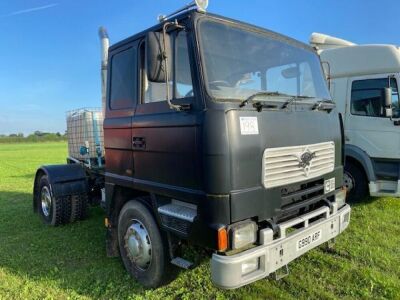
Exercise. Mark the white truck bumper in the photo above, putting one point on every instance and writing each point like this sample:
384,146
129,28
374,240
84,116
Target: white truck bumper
233,271
384,188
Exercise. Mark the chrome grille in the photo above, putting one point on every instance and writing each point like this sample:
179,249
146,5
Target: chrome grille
286,165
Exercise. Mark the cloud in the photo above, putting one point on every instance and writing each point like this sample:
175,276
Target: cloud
32,9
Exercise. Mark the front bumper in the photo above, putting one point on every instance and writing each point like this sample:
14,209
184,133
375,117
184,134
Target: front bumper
231,272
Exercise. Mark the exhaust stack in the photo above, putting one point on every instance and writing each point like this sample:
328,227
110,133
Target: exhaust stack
105,43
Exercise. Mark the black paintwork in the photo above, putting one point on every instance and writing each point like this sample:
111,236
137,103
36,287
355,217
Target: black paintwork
200,156
64,180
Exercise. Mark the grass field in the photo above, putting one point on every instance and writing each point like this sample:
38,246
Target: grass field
69,262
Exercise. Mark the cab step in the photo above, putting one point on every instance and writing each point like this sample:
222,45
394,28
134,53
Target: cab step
180,210
178,216
182,263
281,273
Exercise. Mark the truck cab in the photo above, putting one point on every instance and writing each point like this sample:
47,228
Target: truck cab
232,137
219,134
359,75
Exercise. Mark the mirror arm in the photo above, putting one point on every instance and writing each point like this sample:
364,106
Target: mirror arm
165,59
328,76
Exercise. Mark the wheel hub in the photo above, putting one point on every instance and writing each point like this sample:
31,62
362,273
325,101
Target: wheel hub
45,198
348,181
138,244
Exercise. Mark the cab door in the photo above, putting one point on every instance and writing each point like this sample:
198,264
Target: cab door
367,127
121,103
165,141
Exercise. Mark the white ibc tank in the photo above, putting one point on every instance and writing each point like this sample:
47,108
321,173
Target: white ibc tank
85,133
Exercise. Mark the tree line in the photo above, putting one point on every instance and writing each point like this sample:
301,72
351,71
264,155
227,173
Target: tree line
37,136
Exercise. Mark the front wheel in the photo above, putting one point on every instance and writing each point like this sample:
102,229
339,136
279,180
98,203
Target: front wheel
142,248
355,182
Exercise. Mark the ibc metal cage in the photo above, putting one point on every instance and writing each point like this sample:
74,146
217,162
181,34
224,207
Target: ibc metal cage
86,136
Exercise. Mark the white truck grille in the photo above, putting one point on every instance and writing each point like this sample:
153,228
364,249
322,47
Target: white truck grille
286,165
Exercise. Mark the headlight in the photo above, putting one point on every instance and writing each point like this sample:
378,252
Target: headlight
340,197
243,234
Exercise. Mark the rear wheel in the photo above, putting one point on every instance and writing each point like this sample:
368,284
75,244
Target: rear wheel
79,207
355,182
53,210
142,248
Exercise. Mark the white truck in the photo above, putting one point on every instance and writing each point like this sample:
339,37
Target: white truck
364,84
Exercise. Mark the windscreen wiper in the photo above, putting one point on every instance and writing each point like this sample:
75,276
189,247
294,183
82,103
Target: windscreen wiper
291,100
258,104
327,105
288,102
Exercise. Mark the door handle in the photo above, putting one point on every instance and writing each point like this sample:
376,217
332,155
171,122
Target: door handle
139,142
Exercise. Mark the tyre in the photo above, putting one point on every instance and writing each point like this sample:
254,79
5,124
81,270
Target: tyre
143,250
54,211
356,182
79,207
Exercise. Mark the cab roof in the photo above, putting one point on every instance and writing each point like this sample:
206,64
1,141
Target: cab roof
362,60
196,14
349,59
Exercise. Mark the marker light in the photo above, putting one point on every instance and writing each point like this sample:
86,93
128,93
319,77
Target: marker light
250,265
222,239
201,4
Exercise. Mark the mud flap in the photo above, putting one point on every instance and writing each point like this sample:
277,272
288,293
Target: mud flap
65,180
112,242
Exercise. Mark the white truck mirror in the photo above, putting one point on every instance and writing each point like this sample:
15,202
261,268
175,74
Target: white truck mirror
387,97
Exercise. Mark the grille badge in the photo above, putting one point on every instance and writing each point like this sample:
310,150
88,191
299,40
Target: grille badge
305,160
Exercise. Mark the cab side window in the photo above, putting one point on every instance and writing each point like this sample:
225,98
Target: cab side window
180,85
367,98
123,79
183,77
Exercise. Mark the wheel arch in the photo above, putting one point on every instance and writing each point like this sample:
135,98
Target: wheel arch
64,180
119,195
116,197
361,159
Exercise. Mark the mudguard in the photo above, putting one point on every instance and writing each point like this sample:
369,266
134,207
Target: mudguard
64,180
362,157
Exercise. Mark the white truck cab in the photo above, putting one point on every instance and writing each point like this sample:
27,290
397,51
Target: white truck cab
364,83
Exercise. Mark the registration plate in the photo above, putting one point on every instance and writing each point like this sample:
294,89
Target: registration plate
308,240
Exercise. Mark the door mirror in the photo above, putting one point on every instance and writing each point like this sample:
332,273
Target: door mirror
387,98
156,54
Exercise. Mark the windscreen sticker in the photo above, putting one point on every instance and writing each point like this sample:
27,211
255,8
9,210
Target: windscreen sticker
248,125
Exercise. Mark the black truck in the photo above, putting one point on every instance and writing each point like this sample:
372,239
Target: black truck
216,133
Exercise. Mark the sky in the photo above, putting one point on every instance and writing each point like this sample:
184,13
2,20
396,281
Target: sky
50,52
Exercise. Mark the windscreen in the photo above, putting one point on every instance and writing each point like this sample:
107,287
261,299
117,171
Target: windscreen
239,63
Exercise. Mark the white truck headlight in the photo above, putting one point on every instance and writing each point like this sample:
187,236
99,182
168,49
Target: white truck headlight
340,197
243,234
